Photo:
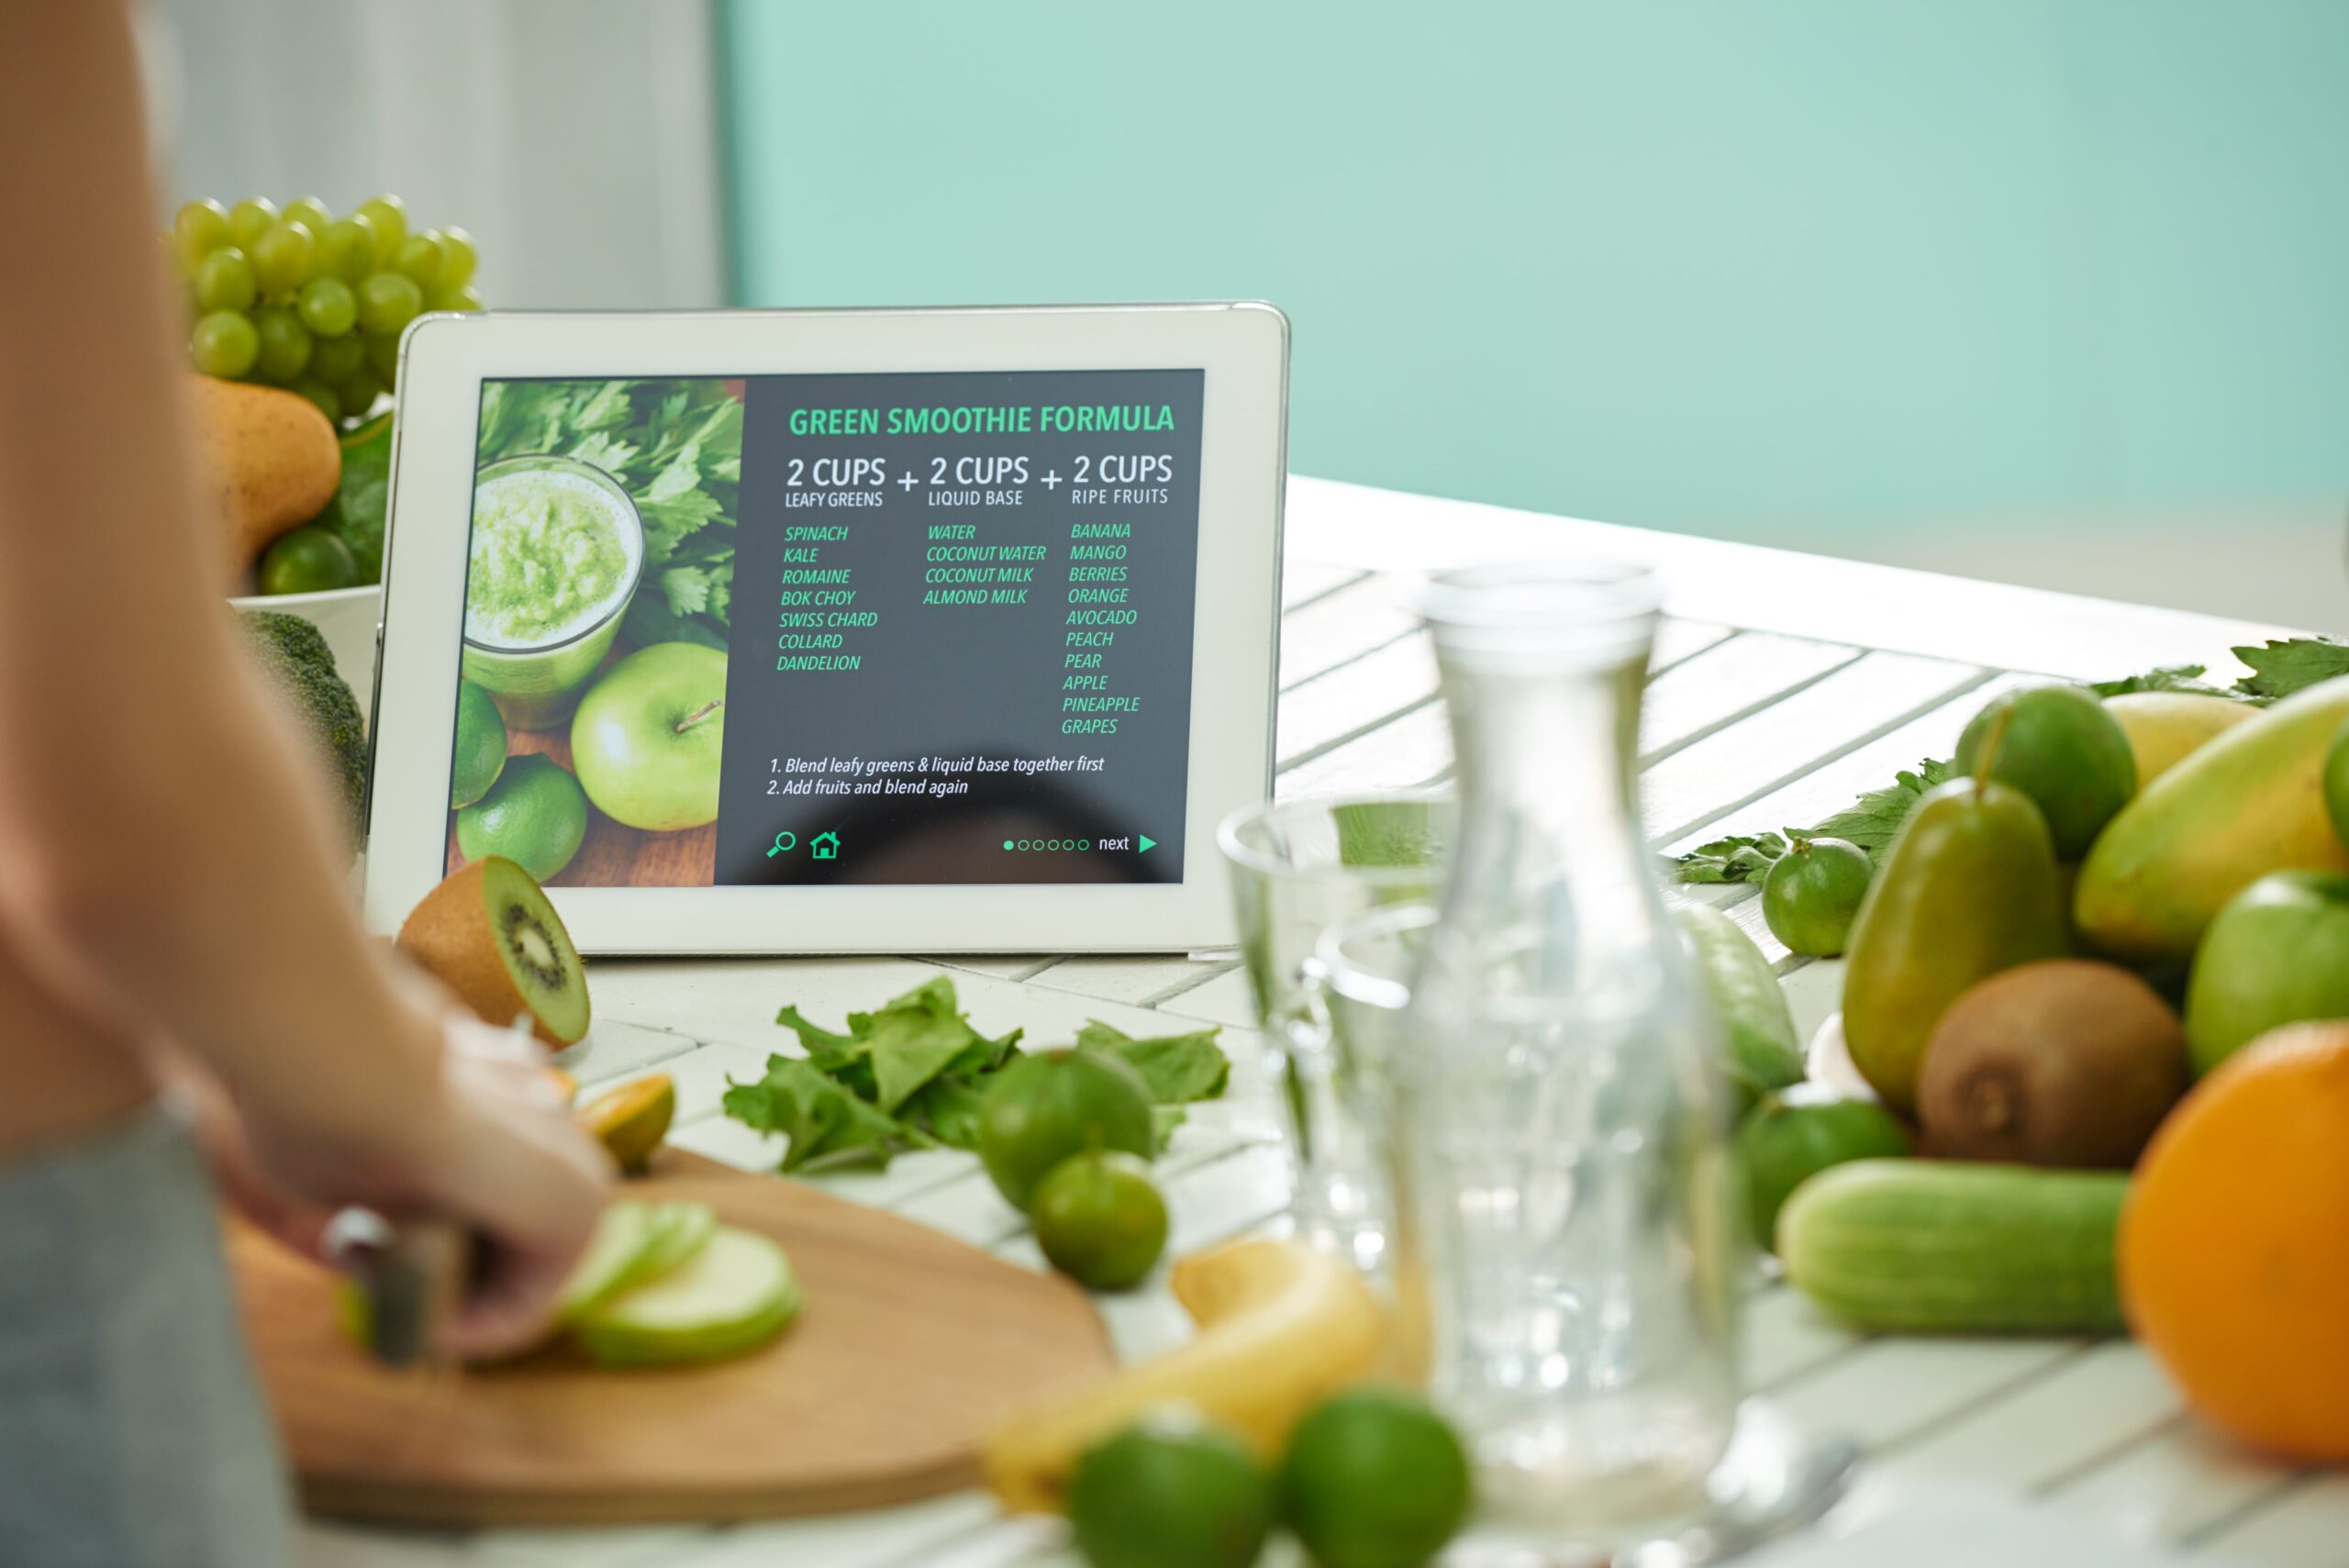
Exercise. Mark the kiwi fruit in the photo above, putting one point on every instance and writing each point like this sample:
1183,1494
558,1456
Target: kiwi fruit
489,934
2066,1061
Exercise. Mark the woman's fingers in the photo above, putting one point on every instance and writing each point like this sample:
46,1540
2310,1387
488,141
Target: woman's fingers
507,1303
532,1185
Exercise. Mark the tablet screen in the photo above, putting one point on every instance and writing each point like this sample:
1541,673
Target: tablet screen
816,629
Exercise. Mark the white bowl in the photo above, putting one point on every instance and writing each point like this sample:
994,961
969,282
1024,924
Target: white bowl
349,617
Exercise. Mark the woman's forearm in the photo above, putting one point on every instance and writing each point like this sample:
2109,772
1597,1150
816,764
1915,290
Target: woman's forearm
166,851
190,875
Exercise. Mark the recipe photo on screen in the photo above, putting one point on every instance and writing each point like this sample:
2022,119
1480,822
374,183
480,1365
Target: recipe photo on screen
828,629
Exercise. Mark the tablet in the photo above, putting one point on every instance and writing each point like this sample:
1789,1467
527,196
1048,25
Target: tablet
834,631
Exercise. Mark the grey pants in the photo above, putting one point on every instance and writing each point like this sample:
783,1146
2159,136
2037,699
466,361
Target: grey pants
131,1433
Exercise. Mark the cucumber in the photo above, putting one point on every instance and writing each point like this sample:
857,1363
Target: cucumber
1763,1051
1916,1246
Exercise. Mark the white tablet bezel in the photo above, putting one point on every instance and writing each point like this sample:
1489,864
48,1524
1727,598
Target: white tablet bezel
1243,349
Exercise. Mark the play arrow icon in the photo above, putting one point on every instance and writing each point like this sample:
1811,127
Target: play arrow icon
1148,844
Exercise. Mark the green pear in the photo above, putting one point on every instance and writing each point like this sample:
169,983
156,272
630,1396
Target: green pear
1969,888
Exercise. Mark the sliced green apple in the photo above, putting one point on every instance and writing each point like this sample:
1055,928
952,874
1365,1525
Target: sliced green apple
732,1296
624,1233
634,1242
679,1230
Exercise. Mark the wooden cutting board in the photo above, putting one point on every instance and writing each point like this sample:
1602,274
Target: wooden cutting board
910,1344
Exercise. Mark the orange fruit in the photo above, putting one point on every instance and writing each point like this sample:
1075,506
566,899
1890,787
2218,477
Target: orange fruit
631,1120
2235,1246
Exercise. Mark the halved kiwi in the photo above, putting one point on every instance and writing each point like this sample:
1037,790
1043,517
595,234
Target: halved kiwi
490,935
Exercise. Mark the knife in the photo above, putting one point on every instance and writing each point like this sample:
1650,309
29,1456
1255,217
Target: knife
413,1273
412,1276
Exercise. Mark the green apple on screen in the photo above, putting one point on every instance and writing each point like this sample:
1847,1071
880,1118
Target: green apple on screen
646,741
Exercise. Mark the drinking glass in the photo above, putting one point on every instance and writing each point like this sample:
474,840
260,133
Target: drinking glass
1360,974
537,687
1564,1221
1297,868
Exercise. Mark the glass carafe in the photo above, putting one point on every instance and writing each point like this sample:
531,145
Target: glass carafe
1565,1215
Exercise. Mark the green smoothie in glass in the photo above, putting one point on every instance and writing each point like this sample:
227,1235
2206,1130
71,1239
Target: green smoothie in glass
558,549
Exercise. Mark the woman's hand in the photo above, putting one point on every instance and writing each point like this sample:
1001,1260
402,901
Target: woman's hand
499,1154
525,1178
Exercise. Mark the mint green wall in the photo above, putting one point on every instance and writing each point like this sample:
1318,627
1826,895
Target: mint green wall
1750,268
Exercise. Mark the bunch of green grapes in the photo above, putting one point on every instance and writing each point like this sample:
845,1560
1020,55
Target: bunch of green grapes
299,299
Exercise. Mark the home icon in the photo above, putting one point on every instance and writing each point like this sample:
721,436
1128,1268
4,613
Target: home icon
825,846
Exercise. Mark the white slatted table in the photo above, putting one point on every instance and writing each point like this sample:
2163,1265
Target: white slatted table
1783,686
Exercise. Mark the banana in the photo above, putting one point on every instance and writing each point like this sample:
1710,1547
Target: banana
1280,1325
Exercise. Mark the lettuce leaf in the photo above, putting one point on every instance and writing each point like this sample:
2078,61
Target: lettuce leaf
1178,1068
914,1073
821,1120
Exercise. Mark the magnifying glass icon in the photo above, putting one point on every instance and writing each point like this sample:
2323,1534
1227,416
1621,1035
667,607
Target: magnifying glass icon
787,840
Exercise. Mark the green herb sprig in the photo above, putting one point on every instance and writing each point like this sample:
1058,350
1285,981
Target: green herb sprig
676,448
2277,670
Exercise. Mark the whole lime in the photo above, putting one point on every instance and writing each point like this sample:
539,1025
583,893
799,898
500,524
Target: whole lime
1044,1108
307,559
2059,746
1169,1492
1792,1136
481,746
1812,894
1100,1219
2336,783
1373,1478
535,816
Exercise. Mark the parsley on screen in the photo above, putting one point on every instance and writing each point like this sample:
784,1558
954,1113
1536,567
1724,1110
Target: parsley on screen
676,448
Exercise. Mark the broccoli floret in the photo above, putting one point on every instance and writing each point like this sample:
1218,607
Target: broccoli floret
296,653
